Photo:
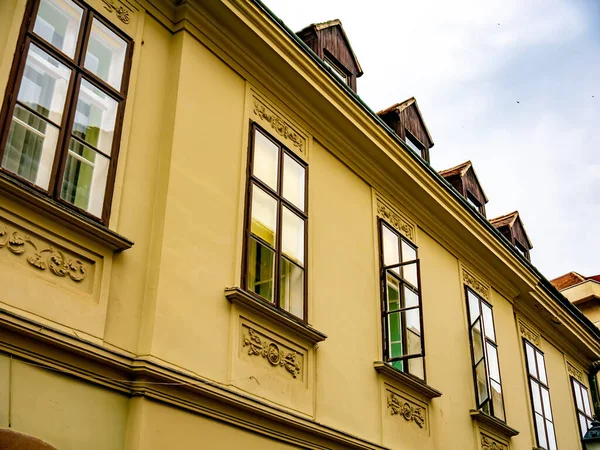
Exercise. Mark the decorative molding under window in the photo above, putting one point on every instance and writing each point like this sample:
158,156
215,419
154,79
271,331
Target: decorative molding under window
407,380
489,443
249,302
529,332
574,371
496,425
289,360
411,412
476,283
401,224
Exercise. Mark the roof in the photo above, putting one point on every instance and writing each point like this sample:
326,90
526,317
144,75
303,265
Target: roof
334,23
571,279
460,170
509,220
399,107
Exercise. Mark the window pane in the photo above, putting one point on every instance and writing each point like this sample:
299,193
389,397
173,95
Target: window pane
409,272
578,400
261,267
531,359
293,236
291,294
393,293
583,424
493,362
105,54
413,332
488,322
410,297
415,367
84,180
537,397
541,367
44,84
30,147
546,403
473,306
551,438
391,253
541,431
266,160
95,117
477,342
58,22
412,144
497,400
294,179
264,215
586,401
482,390
395,335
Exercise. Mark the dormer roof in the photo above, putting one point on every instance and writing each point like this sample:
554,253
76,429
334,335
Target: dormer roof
512,223
399,107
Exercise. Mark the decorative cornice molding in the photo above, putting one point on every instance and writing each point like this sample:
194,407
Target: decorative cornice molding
47,258
122,12
528,332
410,381
475,283
574,371
279,125
496,425
270,350
402,225
489,443
411,412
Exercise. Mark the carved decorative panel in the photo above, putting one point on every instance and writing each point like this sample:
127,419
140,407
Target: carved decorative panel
122,13
401,224
574,371
529,332
490,443
276,354
476,283
403,406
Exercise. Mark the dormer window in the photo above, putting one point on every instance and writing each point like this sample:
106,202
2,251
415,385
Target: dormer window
522,251
336,68
413,144
464,179
511,226
474,202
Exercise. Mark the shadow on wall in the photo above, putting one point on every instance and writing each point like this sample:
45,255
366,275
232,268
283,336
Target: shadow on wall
13,440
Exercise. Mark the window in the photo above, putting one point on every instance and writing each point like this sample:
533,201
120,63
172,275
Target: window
484,356
582,406
275,256
414,144
522,250
64,106
401,303
540,398
337,70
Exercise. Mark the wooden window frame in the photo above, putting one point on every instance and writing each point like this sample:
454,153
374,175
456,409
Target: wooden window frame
575,383
541,385
408,136
385,313
78,73
332,62
472,199
485,340
281,202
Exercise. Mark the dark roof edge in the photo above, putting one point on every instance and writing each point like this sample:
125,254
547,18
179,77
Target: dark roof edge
542,282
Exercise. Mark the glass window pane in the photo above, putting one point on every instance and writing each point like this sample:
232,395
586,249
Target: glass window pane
84,180
488,322
530,352
416,367
391,254
266,160
95,117
482,390
261,269
294,180
497,400
586,401
30,147
395,335
477,341
292,229
493,362
536,396
541,431
410,297
58,22
551,437
291,296
473,306
393,293
398,365
44,84
409,272
105,54
546,403
583,424
264,215
541,367
413,332
578,400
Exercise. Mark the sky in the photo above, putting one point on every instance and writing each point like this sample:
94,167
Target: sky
512,85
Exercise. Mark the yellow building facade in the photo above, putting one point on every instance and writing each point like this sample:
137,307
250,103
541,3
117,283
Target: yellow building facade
208,241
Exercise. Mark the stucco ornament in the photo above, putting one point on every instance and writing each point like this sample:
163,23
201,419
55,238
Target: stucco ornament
272,353
121,11
395,220
409,412
491,444
574,371
528,333
48,258
477,285
278,124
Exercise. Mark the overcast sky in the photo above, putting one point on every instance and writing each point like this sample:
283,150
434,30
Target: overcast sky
512,85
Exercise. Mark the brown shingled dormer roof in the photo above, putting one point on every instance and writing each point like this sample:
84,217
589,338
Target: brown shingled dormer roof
333,23
511,226
459,170
507,219
399,107
567,280
464,179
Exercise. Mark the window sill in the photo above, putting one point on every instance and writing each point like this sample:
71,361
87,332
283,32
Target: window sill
48,207
408,380
247,301
496,424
